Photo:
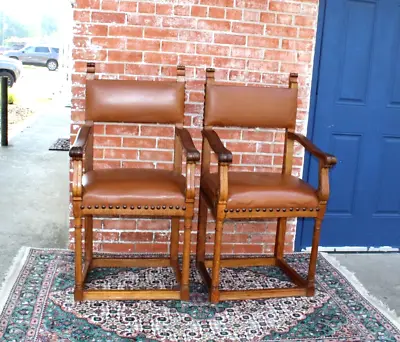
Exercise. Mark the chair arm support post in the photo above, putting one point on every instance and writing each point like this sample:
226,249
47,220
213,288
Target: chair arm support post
192,154
223,169
327,159
78,148
323,182
190,182
77,171
224,155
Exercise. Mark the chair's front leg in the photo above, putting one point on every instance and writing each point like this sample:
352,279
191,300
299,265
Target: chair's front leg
190,193
186,259
201,230
77,191
214,291
222,198
313,257
78,294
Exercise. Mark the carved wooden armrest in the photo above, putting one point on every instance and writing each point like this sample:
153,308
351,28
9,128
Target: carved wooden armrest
78,148
192,154
328,160
224,155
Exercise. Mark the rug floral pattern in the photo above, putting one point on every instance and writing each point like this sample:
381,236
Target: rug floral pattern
41,307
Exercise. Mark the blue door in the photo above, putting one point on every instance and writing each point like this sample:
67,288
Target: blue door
357,118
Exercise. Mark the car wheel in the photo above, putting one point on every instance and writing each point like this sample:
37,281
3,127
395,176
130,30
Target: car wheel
52,65
9,76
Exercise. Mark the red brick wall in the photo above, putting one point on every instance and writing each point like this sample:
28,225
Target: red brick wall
253,42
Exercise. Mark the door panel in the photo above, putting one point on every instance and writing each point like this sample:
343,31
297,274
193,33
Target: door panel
357,118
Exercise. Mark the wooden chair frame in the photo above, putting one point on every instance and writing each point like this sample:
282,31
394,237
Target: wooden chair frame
81,154
304,287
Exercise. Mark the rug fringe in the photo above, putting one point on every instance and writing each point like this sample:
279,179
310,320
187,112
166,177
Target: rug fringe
351,277
12,275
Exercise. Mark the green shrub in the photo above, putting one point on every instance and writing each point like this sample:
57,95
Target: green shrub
11,98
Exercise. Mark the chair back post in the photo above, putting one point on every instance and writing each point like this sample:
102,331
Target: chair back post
206,150
180,73
88,161
288,150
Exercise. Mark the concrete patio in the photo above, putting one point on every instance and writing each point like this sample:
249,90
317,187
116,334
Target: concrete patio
34,186
34,205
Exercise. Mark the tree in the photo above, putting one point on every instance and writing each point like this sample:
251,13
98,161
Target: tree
10,27
49,25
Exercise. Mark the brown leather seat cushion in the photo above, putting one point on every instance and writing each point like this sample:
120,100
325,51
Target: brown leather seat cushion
133,187
262,190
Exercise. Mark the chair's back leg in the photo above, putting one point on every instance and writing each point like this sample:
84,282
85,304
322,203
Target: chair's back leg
201,230
313,257
280,237
174,244
88,238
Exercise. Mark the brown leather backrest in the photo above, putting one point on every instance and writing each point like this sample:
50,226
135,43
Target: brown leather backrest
135,101
247,106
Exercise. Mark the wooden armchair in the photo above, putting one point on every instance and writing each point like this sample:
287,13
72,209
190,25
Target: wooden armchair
133,192
256,195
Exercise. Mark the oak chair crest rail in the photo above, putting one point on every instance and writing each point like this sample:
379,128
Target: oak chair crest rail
256,195
133,192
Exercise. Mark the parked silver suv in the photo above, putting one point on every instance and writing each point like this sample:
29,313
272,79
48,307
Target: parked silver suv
11,69
36,55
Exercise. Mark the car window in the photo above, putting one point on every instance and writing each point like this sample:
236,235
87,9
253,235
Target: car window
30,49
42,49
55,50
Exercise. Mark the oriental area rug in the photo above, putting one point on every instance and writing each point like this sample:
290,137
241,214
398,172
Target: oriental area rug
37,304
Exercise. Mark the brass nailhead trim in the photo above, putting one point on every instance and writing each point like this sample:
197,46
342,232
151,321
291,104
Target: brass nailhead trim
171,207
284,209
153,207
82,207
258,209
96,207
311,209
139,207
158,207
103,206
164,206
237,210
244,209
110,206
271,210
146,207
183,208
124,206
132,207
177,207
231,210
278,209
264,209
297,209
304,209
291,209
317,209
117,207
89,207
250,210
226,210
